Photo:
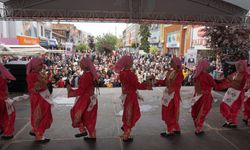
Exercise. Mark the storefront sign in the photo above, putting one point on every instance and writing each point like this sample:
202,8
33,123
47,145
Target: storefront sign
26,40
198,36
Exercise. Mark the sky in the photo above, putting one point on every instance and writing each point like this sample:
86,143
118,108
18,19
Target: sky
101,28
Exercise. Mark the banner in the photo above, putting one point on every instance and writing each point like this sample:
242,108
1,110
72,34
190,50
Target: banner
173,39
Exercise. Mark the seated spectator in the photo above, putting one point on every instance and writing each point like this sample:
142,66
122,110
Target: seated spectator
109,85
106,80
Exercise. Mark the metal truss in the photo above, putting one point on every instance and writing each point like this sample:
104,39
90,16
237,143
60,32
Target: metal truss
25,3
19,10
221,6
80,15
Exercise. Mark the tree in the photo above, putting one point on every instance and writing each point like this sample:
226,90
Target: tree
153,50
231,44
91,42
144,34
119,43
106,43
82,47
134,45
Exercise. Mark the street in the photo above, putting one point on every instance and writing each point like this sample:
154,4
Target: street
146,133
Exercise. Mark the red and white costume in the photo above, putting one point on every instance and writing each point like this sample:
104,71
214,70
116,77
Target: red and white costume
202,102
84,112
171,97
130,85
7,109
41,116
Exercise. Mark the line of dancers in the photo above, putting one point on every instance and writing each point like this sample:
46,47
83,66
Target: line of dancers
84,112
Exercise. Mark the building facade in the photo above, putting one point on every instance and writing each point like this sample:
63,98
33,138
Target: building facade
68,33
177,39
154,39
26,32
131,35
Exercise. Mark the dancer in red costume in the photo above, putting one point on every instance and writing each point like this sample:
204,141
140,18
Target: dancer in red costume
41,117
130,85
234,97
171,98
7,110
84,112
246,111
202,101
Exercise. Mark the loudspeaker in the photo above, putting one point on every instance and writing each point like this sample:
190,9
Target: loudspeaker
18,70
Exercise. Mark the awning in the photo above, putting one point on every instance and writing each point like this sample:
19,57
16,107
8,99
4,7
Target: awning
136,11
59,35
21,50
8,41
55,51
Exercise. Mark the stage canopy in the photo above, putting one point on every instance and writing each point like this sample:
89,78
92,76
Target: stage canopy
135,11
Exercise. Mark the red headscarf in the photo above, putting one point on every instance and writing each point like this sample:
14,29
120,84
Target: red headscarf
5,73
202,64
34,62
89,64
177,61
122,63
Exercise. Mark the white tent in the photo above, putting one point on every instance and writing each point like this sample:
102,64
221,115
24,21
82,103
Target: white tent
22,50
152,11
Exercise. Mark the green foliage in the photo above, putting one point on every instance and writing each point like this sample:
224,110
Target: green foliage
134,45
153,50
230,42
119,43
144,33
82,47
106,43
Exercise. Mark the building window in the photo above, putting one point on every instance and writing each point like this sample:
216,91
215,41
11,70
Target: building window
47,33
41,30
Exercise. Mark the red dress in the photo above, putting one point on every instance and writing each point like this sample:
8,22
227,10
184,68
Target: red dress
130,85
247,109
203,85
6,121
80,117
231,112
41,117
170,114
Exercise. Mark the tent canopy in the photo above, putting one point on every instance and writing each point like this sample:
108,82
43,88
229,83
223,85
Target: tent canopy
21,50
151,11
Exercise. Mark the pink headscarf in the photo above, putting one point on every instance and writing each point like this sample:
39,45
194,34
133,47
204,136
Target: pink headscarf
89,64
33,63
244,64
177,61
202,64
122,63
5,73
